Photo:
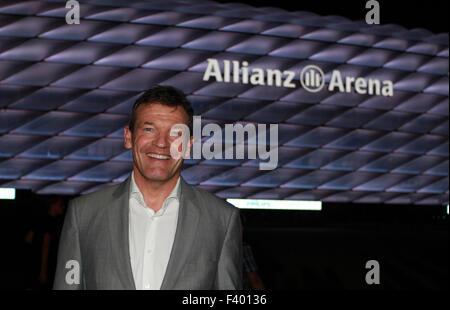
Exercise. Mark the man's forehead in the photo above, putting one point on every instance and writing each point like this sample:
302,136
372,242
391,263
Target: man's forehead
145,111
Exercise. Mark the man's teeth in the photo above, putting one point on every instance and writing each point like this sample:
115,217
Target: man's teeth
157,156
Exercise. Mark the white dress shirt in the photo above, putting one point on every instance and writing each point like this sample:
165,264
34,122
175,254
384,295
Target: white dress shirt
151,237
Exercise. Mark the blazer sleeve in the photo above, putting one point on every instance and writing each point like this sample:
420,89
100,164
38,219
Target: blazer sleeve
69,268
229,273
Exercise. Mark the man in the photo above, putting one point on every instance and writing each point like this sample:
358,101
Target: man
41,244
251,279
153,231
51,231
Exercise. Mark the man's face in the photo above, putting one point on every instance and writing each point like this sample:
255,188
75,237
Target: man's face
151,140
58,207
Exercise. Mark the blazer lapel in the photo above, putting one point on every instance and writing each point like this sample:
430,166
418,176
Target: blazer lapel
188,217
119,232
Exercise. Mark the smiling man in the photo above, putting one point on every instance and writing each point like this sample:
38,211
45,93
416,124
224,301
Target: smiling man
153,231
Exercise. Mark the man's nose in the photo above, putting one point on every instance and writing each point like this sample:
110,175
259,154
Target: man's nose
162,140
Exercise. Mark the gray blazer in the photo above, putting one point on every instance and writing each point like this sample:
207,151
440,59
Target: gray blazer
206,254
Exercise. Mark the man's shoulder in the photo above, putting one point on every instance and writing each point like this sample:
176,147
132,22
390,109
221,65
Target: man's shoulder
210,201
96,199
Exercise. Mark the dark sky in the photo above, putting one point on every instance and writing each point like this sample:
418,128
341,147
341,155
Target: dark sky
430,14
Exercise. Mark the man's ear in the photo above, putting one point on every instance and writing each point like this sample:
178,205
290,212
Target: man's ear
127,137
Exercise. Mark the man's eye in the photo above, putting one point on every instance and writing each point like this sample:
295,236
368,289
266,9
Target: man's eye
148,129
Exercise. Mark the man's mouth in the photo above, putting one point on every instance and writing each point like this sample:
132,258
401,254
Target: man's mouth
158,156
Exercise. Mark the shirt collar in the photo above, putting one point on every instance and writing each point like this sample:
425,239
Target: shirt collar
136,193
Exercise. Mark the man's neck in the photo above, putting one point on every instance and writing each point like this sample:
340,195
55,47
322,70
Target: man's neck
155,192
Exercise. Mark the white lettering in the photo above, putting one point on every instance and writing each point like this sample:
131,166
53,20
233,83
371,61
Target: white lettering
257,77
215,141
73,275
388,88
236,72
373,275
270,76
213,69
360,85
240,130
244,72
288,81
73,15
373,16
348,83
336,81
373,83
272,155
212,147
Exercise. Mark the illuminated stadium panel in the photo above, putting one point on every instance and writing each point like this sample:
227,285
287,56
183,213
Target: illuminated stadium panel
66,91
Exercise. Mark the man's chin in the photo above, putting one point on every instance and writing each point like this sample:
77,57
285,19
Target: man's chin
155,176
157,173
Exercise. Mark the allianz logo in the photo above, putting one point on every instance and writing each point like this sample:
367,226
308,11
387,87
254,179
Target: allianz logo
311,78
